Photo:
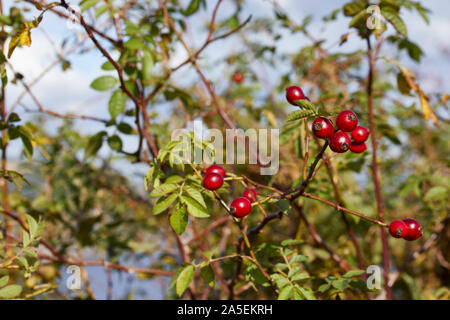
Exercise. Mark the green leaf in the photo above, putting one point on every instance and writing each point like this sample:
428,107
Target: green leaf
134,44
13,117
179,219
298,259
184,279
340,284
286,293
163,203
193,7
104,83
164,189
207,273
86,4
402,84
125,128
117,103
94,144
324,287
436,193
306,105
307,293
353,8
174,179
291,242
299,114
107,66
353,273
357,18
280,280
300,277
32,225
195,194
27,146
147,66
396,21
115,142
194,207
4,281
25,238
10,292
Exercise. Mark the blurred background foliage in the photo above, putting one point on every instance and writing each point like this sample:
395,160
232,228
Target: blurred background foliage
95,207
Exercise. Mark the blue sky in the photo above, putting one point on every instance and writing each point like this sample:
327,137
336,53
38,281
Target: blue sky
69,91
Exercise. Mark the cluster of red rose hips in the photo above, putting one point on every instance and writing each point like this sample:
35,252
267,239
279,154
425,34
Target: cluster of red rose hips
213,180
408,229
347,121
323,128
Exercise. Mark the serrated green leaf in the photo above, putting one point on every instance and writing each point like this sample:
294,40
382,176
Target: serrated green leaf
32,225
340,284
286,293
307,293
164,189
298,259
195,194
25,238
194,207
280,280
306,105
299,114
184,279
163,203
179,219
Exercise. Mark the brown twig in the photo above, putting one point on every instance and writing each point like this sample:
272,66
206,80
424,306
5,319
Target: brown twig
375,177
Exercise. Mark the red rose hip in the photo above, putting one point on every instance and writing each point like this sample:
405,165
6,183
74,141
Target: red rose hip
249,194
357,147
240,207
322,128
398,229
347,121
417,236
340,142
360,134
414,230
212,181
294,93
215,168
238,77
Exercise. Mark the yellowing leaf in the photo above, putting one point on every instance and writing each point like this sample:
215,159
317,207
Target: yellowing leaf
23,37
411,82
426,109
